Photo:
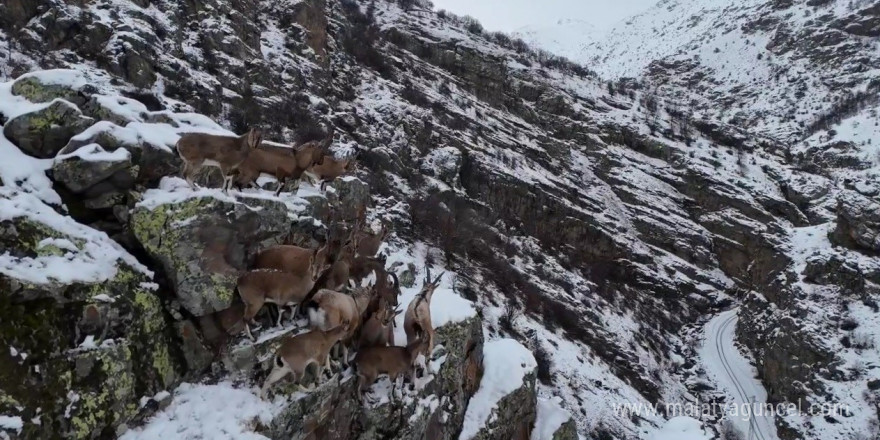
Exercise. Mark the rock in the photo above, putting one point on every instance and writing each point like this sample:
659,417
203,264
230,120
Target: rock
858,222
197,356
513,416
332,410
835,270
348,196
444,164
86,166
86,389
803,189
143,165
789,355
203,244
568,431
38,89
45,132
820,159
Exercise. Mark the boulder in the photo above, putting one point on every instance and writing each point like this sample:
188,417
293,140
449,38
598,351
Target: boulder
45,132
86,166
204,243
804,189
348,195
43,89
78,354
835,270
858,222
144,164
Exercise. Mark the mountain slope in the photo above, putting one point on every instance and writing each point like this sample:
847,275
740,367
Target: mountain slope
597,228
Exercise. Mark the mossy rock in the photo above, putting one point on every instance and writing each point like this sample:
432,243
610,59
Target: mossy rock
32,89
146,164
78,174
204,244
48,375
45,132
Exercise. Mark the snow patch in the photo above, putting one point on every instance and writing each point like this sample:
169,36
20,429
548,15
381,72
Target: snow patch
681,428
506,362
214,412
551,416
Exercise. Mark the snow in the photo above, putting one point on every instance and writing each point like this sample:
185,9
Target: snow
551,416
95,259
96,153
506,362
681,428
174,190
215,412
736,375
18,169
11,423
103,297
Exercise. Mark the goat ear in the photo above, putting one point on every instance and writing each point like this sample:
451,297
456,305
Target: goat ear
437,281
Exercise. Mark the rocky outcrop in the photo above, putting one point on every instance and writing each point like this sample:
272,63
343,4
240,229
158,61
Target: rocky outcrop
435,409
858,222
144,166
203,244
79,355
788,356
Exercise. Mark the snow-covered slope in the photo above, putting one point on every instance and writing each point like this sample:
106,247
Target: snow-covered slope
566,38
599,228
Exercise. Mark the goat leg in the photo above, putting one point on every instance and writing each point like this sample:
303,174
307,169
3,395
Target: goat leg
276,375
280,315
247,327
281,182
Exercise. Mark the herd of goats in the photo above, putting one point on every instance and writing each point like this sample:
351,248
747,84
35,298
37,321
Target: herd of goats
313,282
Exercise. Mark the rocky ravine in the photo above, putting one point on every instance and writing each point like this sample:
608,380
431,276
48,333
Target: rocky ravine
592,227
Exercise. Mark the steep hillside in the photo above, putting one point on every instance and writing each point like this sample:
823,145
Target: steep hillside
596,227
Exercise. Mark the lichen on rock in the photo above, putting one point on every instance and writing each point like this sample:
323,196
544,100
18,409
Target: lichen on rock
204,243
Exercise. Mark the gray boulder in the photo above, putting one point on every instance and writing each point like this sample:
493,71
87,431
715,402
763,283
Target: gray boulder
45,132
203,244
85,166
145,166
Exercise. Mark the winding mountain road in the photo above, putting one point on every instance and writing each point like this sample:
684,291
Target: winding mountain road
736,376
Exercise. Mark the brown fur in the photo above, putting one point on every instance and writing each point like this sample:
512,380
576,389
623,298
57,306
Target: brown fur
368,243
417,320
329,308
393,361
282,288
298,352
330,169
226,152
338,276
292,259
378,329
285,164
